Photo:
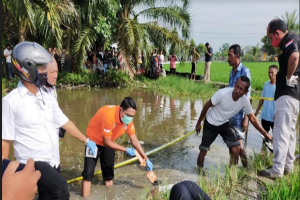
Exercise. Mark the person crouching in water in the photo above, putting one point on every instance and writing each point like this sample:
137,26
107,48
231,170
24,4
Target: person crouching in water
108,124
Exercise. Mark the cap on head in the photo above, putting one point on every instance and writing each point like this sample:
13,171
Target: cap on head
26,57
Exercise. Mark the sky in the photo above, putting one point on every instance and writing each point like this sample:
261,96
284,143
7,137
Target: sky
242,22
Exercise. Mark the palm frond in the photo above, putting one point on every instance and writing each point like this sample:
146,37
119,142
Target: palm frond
85,42
175,16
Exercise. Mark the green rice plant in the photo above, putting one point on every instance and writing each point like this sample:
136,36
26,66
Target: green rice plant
285,188
219,71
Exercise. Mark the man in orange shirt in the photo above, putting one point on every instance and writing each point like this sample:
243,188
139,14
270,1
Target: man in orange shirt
108,124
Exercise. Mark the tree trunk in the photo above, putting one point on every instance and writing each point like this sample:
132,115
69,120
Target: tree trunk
21,34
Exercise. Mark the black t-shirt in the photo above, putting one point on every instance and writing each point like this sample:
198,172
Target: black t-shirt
288,45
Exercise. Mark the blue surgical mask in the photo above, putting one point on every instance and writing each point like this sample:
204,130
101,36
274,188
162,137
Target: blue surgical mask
126,120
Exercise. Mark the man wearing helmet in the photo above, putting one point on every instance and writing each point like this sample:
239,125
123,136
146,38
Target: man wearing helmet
30,118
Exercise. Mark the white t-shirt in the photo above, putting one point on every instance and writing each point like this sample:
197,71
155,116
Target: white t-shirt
161,59
225,107
8,58
31,122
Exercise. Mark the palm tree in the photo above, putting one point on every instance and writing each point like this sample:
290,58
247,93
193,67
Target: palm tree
292,21
134,37
40,17
255,52
96,19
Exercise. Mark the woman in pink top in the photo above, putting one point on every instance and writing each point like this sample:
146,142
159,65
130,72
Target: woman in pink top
173,60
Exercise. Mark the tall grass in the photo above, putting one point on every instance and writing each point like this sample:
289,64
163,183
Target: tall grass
175,85
219,71
236,182
284,188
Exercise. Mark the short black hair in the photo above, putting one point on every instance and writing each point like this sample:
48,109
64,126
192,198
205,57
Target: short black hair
273,66
277,24
128,103
8,45
245,79
236,49
206,44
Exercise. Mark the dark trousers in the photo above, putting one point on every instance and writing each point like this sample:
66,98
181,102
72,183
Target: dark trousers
173,71
9,70
107,160
51,186
187,190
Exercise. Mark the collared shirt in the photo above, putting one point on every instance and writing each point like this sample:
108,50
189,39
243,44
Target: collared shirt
51,91
236,120
106,123
31,122
288,45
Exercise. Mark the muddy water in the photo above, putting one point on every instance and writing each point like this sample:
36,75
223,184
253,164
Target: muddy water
159,119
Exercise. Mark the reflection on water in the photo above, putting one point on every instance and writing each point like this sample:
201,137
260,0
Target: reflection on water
159,119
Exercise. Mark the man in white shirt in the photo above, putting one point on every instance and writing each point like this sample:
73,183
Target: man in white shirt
223,105
7,54
31,117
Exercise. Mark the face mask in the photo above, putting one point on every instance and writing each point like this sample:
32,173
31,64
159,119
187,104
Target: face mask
275,42
126,120
41,80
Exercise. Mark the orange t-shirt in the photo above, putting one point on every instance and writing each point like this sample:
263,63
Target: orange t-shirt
106,122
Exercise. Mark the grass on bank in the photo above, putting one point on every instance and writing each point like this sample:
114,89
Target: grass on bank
219,71
239,183
175,85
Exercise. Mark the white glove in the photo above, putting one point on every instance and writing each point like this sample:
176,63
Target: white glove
292,82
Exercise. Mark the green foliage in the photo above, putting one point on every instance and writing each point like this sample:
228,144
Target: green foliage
292,21
87,78
201,49
285,188
192,43
9,85
268,47
224,50
175,85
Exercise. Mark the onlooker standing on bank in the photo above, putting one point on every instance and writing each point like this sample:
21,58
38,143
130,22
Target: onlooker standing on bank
173,60
208,56
161,59
195,58
287,99
7,54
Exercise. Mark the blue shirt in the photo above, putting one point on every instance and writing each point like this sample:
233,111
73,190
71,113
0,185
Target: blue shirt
208,57
236,120
268,106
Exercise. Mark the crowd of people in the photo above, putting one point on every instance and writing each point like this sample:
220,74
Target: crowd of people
32,120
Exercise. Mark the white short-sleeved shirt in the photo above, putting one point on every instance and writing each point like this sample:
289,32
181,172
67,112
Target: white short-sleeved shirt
31,122
51,91
225,107
8,58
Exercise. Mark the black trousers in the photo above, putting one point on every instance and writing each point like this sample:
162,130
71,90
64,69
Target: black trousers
107,161
51,186
187,190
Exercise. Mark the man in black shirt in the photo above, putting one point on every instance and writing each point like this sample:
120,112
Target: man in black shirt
208,56
287,98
